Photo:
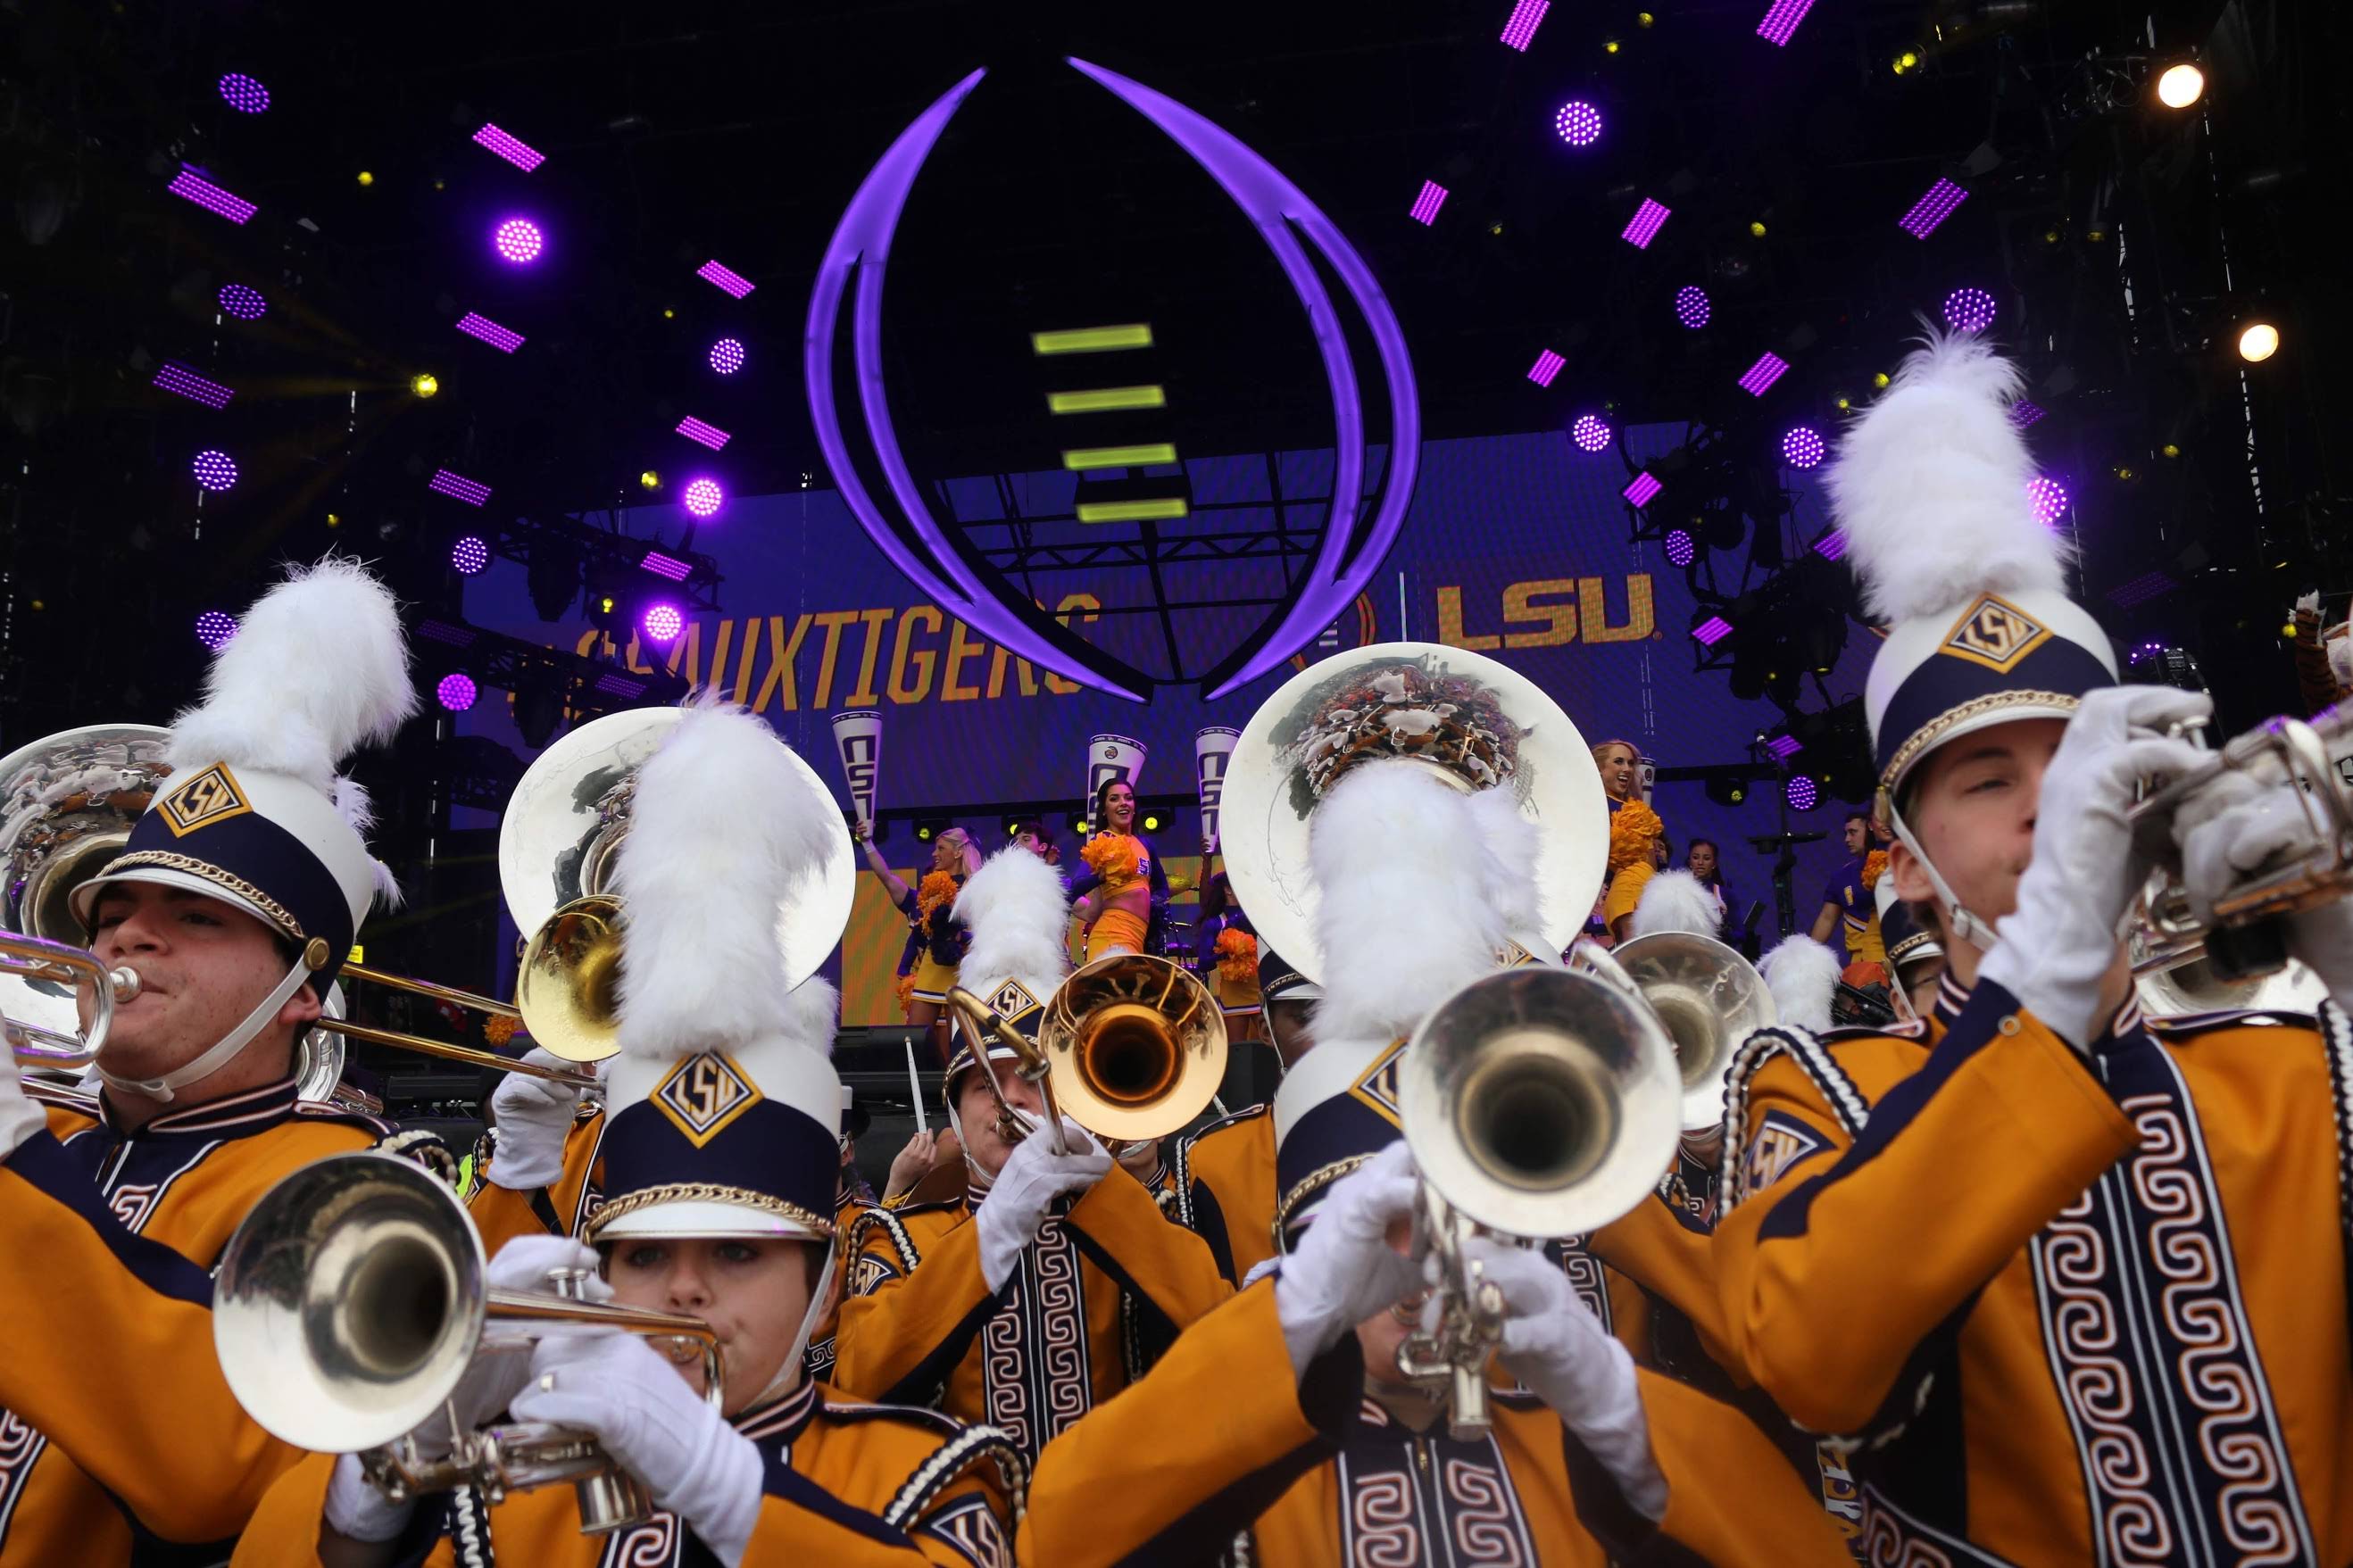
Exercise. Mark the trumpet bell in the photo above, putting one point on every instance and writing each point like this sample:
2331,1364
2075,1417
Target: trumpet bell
1135,1047
567,989
1709,998
349,1302
1540,1102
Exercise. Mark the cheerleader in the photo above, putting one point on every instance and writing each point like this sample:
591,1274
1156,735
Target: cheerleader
1226,959
927,964
1122,900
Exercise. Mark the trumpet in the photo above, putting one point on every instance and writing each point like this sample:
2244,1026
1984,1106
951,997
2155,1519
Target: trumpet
37,959
1538,1103
1133,1045
349,1305
1708,998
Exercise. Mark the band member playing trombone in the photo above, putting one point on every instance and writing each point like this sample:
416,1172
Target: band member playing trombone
721,1161
2072,1281
233,903
1007,1304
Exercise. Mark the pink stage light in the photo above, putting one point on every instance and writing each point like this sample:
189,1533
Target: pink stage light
457,692
1426,205
244,94
711,436
703,497
518,240
1932,209
1832,546
1781,19
1968,310
1802,447
1781,748
181,382
245,304
189,184
1759,377
727,356
1548,366
2022,413
1525,17
663,623
1691,307
214,628
1645,225
522,154
213,471
474,324
1578,123
725,276
470,555
1590,432
1642,490
668,566
1801,794
1712,631
1681,548
458,486
2048,497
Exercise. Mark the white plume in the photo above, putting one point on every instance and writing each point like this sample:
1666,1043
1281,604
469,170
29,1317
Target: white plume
704,964
813,1013
1803,976
1404,916
1677,900
1508,852
318,667
1019,919
1929,487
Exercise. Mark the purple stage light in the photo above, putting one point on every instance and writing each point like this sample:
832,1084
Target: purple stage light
443,632
244,94
725,276
1781,19
663,623
1801,448
1644,226
1643,487
245,304
1801,794
1932,209
1426,205
457,692
2022,413
213,471
1526,15
181,382
214,628
474,324
1680,548
2048,497
704,496
668,566
1548,366
1759,377
1968,310
522,154
1691,306
1781,748
1712,631
2140,590
1832,546
458,486
1578,123
470,555
195,188
518,240
1591,432
727,356
711,436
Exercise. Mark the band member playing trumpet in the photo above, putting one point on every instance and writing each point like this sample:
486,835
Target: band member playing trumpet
2070,1281
1007,1304
234,902
721,1162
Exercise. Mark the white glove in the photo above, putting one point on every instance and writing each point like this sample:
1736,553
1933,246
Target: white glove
2057,946
1033,1177
656,1426
1554,1343
2256,827
19,1117
356,1509
534,1116
1345,1270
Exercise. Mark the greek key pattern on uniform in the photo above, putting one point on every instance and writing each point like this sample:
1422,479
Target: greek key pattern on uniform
1890,1539
1430,1501
652,1545
20,1447
1034,1350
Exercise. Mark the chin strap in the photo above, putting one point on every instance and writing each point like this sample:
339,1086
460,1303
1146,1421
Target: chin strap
790,1374
224,1051
1958,921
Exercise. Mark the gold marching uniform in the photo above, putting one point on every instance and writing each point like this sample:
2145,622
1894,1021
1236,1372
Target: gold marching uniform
1107,1282
2129,1320
1316,1474
1224,1182
843,1483
113,1236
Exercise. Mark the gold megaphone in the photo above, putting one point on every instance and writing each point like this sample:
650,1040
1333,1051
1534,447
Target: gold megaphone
1131,1046
349,1305
1709,999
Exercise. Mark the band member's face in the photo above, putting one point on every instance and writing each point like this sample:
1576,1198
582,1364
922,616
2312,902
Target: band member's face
1119,808
1030,841
1617,765
203,965
1973,812
977,1111
753,1294
1857,835
1703,859
1287,1022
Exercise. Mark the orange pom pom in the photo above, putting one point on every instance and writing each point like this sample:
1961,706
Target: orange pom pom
499,1030
1875,866
1116,857
1632,830
938,888
1237,956
905,989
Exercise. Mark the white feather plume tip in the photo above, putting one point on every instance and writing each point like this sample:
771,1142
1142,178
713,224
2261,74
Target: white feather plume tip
1016,909
1509,850
702,965
318,667
1803,976
1677,900
1929,487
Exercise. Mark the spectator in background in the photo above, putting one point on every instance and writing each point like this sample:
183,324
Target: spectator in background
1846,901
1705,861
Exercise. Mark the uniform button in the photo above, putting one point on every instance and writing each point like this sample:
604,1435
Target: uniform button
2009,1025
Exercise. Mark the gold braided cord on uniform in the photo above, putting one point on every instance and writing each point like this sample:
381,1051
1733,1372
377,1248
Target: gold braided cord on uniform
1934,732
1307,1187
279,916
707,1193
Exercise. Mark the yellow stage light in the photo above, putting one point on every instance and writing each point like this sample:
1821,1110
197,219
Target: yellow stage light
366,178
334,521
1757,229
2180,86
1879,380
2288,631
650,479
605,604
1611,47
2171,450
2258,343
425,384
1643,18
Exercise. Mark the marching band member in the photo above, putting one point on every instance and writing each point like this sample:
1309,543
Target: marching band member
235,900
1224,1173
1004,1304
2073,1282
1321,1452
721,1156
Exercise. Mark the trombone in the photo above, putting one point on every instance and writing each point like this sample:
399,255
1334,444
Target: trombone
349,1304
1133,1044
1538,1103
